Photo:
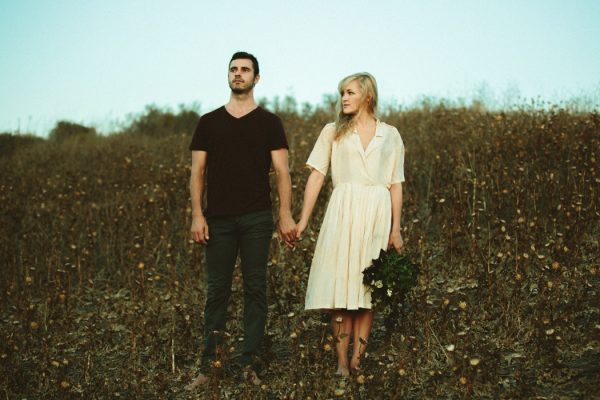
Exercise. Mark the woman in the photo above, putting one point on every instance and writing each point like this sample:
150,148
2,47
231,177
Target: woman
363,215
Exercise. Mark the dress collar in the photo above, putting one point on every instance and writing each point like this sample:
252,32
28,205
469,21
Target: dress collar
378,130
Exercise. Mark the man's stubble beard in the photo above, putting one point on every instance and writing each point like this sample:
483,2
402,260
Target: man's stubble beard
244,90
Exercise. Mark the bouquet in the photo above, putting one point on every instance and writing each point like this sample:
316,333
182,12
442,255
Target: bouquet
390,278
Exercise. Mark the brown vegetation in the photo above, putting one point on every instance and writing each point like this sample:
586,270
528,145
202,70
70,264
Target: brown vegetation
101,291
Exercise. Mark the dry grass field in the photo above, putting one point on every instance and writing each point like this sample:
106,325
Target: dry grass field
101,290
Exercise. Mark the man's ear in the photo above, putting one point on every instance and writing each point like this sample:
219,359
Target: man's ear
256,79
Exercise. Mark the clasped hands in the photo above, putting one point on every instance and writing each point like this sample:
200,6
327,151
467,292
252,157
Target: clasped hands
289,231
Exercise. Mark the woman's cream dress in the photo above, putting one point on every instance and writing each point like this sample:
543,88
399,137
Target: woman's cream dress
358,219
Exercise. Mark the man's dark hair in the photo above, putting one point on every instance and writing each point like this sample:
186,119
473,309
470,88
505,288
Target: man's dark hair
247,56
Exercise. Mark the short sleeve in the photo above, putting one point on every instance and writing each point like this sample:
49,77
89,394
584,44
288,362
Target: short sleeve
398,172
321,154
277,139
200,138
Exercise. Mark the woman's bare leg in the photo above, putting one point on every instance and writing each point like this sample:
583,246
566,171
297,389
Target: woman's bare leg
363,321
341,325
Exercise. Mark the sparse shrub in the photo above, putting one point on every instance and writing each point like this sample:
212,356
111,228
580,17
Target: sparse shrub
156,122
65,130
9,142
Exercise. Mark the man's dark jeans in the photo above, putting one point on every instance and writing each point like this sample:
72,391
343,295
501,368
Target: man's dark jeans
250,234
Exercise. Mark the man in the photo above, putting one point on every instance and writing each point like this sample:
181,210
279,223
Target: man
234,147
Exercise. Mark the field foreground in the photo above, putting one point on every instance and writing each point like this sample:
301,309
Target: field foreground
102,292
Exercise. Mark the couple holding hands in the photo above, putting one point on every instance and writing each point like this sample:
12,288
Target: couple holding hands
233,149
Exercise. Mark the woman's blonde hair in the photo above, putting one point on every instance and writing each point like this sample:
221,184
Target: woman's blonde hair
368,87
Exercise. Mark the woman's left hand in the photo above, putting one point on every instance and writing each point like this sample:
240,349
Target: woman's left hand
396,241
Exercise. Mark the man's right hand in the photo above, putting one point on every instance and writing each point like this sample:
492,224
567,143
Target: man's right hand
199,230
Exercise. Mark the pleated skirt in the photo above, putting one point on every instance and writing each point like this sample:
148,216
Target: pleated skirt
355,228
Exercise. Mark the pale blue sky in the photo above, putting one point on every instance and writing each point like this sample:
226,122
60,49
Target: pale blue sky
94,62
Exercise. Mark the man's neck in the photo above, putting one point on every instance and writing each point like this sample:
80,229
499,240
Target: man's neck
241,104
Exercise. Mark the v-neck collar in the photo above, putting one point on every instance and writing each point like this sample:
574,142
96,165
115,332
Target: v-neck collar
243,116
373,143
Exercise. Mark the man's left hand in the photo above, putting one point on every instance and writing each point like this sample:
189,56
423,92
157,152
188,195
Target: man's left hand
286,228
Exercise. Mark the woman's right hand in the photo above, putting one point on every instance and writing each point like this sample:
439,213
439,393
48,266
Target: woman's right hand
199,230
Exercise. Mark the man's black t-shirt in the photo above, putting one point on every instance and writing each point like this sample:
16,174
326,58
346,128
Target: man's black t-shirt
238,159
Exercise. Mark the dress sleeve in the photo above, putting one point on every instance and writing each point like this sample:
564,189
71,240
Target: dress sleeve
320,156
398,172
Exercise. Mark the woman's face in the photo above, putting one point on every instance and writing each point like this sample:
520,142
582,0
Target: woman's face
351,98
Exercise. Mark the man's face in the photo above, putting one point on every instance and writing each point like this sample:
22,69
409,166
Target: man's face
241,76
